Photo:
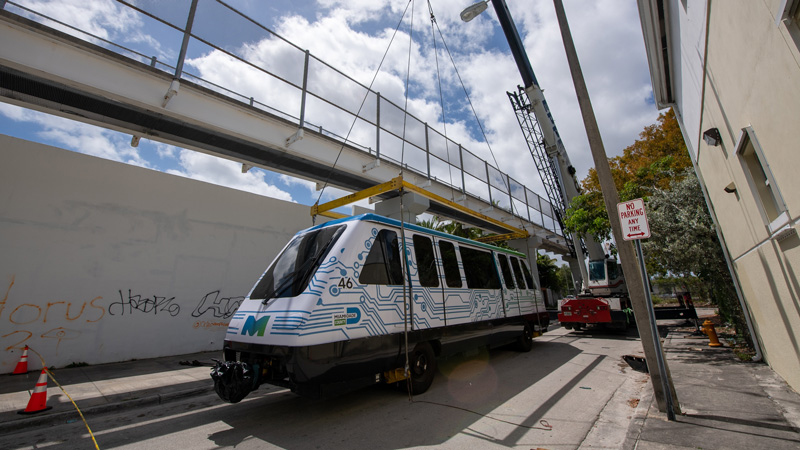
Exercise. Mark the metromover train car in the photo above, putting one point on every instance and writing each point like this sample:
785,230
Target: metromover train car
339,306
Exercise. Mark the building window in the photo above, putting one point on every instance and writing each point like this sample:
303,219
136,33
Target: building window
789,12
789,15
760,179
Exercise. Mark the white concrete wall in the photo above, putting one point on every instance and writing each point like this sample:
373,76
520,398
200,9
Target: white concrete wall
102,261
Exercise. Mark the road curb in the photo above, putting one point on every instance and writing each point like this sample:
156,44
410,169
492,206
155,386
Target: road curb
72,415
638,418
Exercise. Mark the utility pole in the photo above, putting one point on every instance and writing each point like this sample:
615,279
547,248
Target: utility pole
633,278
564,173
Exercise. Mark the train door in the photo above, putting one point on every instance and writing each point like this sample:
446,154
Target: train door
511,291
427,295
454,289
527,295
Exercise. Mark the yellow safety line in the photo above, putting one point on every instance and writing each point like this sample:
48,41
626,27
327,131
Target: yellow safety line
50,374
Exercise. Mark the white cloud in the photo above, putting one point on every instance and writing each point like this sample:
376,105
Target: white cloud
223,172
102,18
329,193
115,146
353,35
77,136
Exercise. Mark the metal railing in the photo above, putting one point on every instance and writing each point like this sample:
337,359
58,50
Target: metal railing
285,80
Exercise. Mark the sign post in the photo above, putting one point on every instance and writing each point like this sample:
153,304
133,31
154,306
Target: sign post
633,218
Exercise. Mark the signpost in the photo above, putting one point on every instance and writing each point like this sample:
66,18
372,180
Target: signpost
633,218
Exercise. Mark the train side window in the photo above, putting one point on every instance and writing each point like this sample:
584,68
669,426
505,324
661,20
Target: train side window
506,271
479,268
518,273
528,277
383,261
426,261
452,275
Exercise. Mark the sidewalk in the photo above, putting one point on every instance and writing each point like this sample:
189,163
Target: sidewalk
727,404
105,387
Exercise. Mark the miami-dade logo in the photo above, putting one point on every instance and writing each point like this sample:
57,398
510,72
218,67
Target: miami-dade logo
252,326
350,317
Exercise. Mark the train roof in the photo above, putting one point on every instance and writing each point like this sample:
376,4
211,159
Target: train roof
396,223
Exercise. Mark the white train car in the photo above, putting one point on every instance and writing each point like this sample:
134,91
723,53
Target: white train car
331,313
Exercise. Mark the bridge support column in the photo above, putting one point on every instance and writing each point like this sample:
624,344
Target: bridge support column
413,205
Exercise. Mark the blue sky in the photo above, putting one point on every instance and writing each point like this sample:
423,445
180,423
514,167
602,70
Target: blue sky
352,36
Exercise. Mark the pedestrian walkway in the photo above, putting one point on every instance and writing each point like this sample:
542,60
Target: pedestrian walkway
105,387
727,404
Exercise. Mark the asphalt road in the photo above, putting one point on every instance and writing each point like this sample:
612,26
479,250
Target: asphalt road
572,390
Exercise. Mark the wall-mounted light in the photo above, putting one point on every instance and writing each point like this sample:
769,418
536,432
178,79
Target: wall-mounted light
712,137
730,189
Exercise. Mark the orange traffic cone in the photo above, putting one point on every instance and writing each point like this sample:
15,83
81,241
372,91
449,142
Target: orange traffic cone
38,401
22,365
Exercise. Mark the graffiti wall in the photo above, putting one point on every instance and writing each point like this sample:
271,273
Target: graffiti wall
103,262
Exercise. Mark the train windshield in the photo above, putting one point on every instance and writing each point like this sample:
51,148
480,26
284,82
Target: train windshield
290,273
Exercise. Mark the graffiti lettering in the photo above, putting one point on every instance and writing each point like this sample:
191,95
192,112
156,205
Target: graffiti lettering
5,299
17,345
221,308
146,305
210,325
15,319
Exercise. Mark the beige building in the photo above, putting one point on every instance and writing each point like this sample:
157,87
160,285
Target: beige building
731,70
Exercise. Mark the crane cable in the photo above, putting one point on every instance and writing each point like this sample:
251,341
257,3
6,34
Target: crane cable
407,275
355,118
474,113
441,97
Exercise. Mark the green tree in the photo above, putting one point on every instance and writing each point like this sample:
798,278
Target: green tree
548,272
657,159
684,244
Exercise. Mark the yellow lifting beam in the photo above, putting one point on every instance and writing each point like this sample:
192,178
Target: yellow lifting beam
398,184
464,209
394,184
501,237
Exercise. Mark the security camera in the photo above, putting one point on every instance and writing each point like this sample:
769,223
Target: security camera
712,137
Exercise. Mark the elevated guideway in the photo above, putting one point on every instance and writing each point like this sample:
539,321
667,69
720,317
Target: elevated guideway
82,77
